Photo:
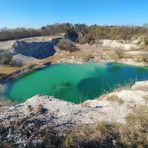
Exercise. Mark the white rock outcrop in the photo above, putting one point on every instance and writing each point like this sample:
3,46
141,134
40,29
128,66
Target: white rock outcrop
119,44
37,50
21,60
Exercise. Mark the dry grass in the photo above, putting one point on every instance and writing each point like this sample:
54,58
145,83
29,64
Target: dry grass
146,99
146,40
5,102
144,58
115,98
132,134
8,70
119,53
93,137
137,128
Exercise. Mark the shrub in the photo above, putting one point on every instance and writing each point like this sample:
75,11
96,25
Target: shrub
67,45
143,58
5,57
83,40
115,98
146,41
71,34
119,53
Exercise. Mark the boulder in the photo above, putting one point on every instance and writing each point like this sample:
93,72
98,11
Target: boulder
20,60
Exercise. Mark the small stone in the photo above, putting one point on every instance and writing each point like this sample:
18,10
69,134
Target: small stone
11,108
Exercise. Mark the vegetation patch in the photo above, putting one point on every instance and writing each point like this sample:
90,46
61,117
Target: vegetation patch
119,53
106,134
77,32
5,57
115,98
146,99
67,45
146,40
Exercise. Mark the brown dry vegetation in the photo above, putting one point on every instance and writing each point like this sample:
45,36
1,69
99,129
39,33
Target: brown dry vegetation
67,45
5,102
5,70
115,98
119,53
146,40
87,34
132,134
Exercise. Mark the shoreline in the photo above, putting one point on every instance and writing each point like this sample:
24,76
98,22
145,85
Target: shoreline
34,67
25,70
30,69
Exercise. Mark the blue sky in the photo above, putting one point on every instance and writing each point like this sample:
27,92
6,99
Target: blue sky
37,13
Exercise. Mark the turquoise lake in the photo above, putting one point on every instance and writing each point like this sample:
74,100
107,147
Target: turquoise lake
74,82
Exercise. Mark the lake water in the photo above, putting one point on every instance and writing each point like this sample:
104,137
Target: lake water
74,82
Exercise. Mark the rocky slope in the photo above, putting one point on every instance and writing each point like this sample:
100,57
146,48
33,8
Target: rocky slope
37,50
41,116
116,44
28,50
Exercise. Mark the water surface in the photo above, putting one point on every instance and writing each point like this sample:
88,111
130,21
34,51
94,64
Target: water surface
74,82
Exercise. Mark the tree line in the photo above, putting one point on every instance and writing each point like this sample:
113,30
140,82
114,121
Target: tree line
77,32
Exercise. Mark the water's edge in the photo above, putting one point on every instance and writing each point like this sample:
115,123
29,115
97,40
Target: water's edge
87,79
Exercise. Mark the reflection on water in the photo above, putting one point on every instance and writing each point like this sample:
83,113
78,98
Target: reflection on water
90,87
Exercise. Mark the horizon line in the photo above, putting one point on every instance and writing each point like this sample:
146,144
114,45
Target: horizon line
120,25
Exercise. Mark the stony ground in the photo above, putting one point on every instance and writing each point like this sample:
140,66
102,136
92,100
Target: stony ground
29,123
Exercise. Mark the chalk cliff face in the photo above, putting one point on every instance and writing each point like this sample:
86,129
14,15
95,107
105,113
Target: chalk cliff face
27,51
37,50
23,51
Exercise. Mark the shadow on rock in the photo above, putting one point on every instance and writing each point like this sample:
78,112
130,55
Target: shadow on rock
37,50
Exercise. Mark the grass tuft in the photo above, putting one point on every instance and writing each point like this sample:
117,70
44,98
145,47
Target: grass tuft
115,98
106,134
